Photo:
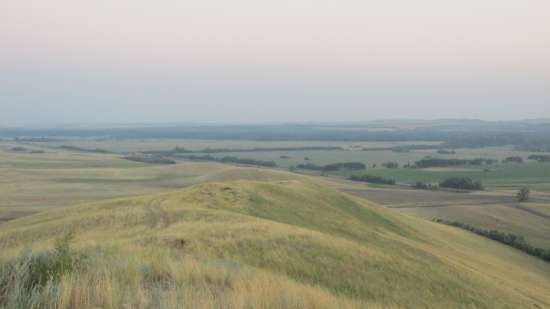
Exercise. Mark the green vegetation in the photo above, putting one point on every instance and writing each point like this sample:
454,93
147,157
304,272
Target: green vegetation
540,158
272,242
445,151
462,183
350,166
512,240
74,148
178,150
425,186
236,160
149,159
523,194
514,159
372,179
290,244
390,164
436,162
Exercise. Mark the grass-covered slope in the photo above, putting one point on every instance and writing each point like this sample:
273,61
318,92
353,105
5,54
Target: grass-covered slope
245,244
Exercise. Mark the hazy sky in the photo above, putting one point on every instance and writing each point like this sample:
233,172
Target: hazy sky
67,61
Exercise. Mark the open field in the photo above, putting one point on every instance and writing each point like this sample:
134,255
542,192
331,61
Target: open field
33,182
309,246
139,145
486,209
505,176
62,177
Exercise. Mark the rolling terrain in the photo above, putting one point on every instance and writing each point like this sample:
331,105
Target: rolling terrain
489,209
264,244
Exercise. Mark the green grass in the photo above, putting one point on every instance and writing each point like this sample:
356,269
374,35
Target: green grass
36,182
304,244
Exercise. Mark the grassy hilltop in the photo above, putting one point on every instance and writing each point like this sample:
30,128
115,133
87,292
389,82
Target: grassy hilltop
257,244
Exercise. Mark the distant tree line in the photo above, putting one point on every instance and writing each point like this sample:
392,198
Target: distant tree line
372,179
23,149
149,159
513,159
462,183
177,150
534,148
230,159
390,164
403,148
444,151
539,158
438,162
75,148
425,186
351,166
512,240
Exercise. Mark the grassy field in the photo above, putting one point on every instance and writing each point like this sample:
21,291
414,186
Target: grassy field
505,176
278,244
33,182
139,145
59,178
495,209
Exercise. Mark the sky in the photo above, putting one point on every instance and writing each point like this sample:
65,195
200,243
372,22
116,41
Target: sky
250,61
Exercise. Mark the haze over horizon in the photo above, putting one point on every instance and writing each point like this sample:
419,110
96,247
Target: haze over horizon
250,61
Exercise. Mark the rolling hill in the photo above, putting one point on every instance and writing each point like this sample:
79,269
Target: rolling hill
258,244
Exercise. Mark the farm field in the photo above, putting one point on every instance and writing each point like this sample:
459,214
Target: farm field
67,177
503,175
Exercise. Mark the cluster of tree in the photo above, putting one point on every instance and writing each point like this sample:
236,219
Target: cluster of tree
523,194
444,151
534,148
462,183
390,164
425,186
352,166
23,149
404,148
149,159
37,139
512,240
75,148
177,150
372,179
540,158
513,159
437,162
18,149
230,159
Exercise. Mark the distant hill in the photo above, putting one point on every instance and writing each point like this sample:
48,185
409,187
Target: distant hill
455,132
258,244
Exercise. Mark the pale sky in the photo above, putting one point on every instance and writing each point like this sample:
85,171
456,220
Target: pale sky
67,61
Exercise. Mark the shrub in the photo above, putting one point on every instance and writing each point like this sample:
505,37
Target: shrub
512,240
523,194
514,159
539,158
372,179
436,162
30,273
425,186
390,164
463,183
150,159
